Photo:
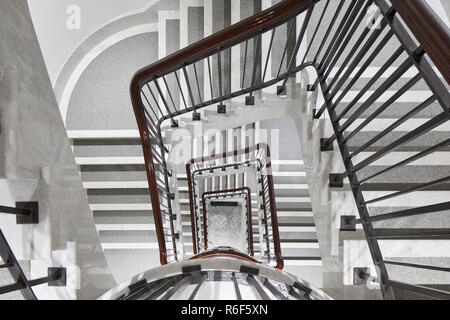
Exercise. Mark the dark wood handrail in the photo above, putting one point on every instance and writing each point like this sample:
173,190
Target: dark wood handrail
431,32
244,190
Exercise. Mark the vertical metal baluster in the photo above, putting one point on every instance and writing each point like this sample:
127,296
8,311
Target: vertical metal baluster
197,288
198,83
344,44
219,62
292,21
356,77
181,90
340,31
268,54
210,79
245,65
315,31
298,43
362,52
170,94
256,61
154,99
191,95
149,104
236,287
330,27
166,105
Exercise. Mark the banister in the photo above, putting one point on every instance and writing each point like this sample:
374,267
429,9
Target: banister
431,32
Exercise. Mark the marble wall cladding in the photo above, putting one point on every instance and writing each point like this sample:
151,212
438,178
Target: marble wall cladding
39,163
425,252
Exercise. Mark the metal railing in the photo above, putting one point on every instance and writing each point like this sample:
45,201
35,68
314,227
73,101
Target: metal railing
259,157
193,78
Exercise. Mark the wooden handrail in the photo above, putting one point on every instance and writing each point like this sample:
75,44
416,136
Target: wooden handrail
431,32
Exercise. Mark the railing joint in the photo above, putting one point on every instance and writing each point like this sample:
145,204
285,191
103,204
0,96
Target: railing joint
250,100
196,116
221,109
418,53
336,180
324,146
348,223
281,90
361,276
391,13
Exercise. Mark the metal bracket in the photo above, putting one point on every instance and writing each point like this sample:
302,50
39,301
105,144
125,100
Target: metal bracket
61,273
348,223
196,116
221,109
361,276
250,101
324,147
336,181
33,217
281,91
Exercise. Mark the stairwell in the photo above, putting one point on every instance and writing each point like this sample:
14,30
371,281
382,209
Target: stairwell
309,210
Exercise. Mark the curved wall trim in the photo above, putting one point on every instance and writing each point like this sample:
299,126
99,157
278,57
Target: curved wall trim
94,53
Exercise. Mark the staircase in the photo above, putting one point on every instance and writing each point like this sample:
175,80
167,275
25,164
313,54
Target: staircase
113,172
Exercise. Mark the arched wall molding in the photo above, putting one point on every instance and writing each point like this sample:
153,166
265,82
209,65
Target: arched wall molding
81,66
133,23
